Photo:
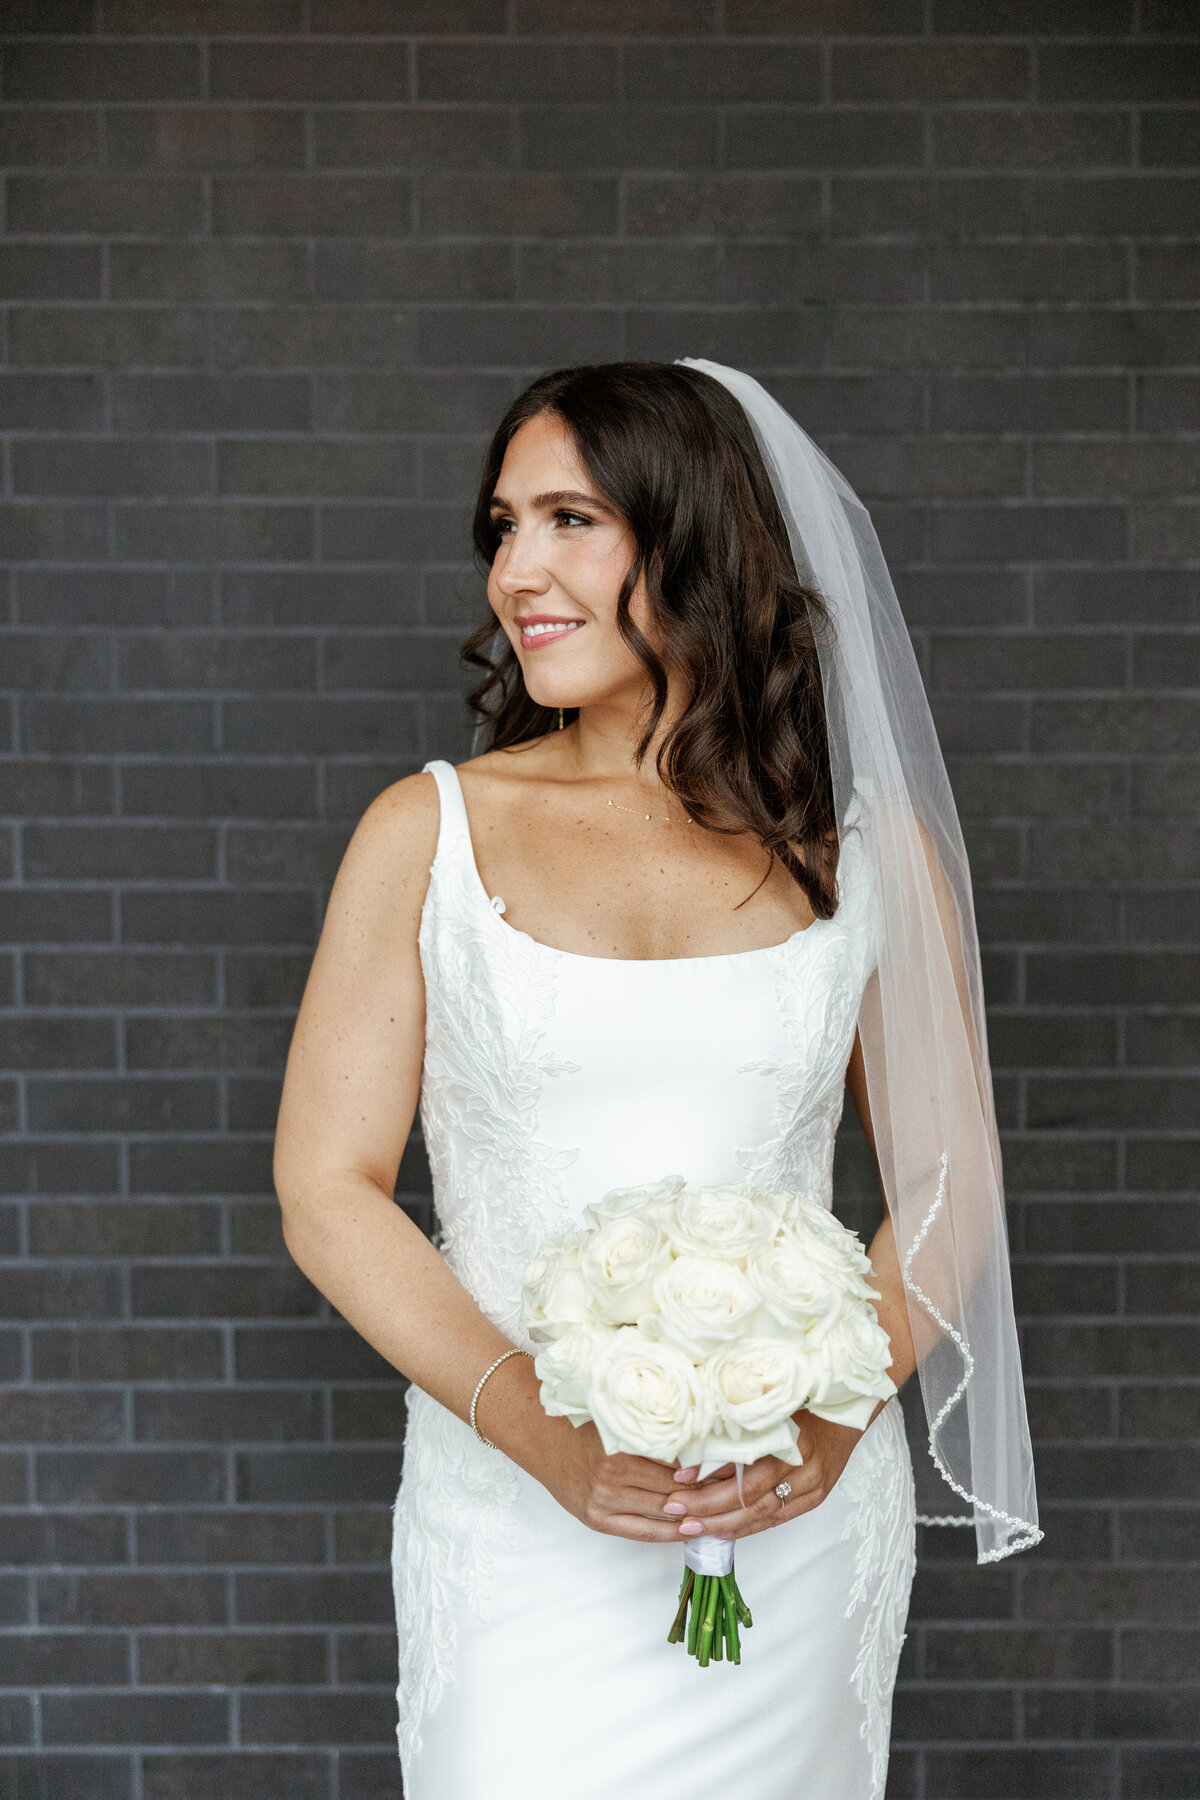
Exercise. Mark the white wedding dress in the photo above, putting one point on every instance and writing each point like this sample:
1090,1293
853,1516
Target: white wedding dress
534,1662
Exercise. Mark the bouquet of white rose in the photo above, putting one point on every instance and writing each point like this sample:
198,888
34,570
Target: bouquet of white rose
689,1326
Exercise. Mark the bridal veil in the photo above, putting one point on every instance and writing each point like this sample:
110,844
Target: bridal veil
922,1023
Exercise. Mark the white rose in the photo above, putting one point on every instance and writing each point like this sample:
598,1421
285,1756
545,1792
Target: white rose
618,1264
564,1366
554,1296
851,1363
800,1285
702,1304
808,1218
757,1386
730,1222
653,1200
646,1397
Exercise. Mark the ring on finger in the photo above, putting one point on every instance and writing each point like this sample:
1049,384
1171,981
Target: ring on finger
783,1489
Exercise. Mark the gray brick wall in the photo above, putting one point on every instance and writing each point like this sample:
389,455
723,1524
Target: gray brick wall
271,269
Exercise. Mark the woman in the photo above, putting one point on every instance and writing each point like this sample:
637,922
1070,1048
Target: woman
633,937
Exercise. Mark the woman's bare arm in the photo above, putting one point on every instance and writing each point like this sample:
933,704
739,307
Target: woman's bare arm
349,1099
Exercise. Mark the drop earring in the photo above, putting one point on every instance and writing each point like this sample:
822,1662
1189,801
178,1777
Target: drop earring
560,723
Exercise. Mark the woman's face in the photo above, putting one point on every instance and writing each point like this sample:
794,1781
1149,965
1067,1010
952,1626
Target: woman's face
562,556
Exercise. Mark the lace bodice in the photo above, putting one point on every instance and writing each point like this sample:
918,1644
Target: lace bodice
551,1077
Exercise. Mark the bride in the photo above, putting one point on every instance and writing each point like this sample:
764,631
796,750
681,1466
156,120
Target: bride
704,879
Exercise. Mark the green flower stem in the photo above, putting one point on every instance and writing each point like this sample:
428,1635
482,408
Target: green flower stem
733,1642
694,1621
685,1594
712,1595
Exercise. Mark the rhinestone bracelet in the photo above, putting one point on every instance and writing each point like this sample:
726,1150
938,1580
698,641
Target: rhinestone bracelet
479,1389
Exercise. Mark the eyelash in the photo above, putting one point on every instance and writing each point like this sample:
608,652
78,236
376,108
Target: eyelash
498,524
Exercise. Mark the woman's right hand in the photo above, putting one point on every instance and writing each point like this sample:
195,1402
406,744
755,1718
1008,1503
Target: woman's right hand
623,1496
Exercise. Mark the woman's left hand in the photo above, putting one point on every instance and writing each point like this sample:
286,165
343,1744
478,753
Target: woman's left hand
712,1507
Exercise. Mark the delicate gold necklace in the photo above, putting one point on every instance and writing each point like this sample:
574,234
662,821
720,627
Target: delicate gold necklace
617,807
637,815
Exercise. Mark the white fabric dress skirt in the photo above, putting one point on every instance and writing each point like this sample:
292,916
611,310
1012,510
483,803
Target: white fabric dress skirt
533,1656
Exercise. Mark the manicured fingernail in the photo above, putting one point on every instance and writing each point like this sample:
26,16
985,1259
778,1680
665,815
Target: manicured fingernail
685,1474
692,1529
675,1506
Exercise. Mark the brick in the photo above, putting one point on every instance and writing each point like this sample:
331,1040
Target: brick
125,1229
135,1719
125,1599
361,270
251,1775
196,1042
101,597
40,786
64,1659
231,1535
65,70
51,402
125,978
44,1776
115,336
59,1168
127,1353
722,205
366,337
62,137
203,917
229,1165
131,726
1038,1774
61,1418
139,17
218,789
297,1599
198,402
367,1657
225,663
331,1475
311,205
50,272
67,1537
329,1718
125,206
213,1416
318,1352
196,533
528,203
83,1477
36,1293
285,854
110,466
324,726
201,271
233,1659
1045,138
912,72
1095,72
204,137
510,72
299,71
224,1291
292,466
119,852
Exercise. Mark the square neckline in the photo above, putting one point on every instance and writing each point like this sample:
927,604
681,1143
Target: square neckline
636,962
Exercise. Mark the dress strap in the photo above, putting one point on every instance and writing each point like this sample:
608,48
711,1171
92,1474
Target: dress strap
454,830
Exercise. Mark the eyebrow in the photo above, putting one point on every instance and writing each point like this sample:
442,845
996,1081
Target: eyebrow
560,497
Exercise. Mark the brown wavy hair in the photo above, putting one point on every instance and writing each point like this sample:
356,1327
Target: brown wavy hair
673,452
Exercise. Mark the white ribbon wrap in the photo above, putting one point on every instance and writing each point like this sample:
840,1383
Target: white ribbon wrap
712,1555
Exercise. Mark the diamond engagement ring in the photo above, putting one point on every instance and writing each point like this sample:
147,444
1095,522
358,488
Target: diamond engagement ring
783,1489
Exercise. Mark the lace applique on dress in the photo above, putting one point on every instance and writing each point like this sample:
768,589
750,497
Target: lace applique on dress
485,1063
450,1514
499,1196
878,1484
818,980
